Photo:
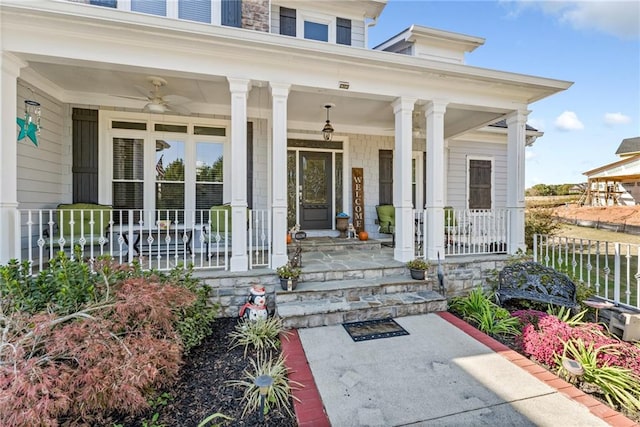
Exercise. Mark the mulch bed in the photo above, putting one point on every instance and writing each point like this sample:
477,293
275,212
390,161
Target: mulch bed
202,390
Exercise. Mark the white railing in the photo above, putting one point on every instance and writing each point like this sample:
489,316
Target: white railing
610,269
475,231
159,239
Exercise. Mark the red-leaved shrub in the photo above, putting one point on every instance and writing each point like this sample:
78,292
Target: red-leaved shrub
100,360
543,337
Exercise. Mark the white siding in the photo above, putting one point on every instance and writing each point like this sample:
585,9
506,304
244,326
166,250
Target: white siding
459,151
364,154
357,33
261,165
44,172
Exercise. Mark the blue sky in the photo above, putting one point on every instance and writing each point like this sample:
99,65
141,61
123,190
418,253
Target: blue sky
595,44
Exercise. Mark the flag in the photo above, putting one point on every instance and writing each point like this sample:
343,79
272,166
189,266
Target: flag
160,168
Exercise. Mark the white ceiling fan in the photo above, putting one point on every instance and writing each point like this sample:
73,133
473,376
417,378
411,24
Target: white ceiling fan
158,103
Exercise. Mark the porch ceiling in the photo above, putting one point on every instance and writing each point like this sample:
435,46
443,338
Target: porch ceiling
112,85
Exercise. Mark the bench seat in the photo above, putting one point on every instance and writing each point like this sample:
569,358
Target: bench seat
534,282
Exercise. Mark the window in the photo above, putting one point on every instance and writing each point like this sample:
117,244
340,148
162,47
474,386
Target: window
316,31
170,166
287,21
153,7
209,181
480,177
343,31
195,10
128,174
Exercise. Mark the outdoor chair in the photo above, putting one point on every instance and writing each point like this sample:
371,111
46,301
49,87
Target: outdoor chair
84,224
387,222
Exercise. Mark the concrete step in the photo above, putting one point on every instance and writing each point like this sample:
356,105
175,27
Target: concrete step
336,310
353,289
332,244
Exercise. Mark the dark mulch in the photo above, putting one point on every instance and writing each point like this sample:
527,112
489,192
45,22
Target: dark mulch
202,390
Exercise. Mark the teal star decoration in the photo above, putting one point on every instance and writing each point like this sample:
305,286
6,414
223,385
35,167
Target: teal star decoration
27,131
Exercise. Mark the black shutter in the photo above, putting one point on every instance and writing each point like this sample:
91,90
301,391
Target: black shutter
385,181
479,184
232,13
105,3
287,21
85,156
343,35
250,165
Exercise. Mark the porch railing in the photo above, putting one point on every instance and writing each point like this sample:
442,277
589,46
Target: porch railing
610,269
158,239
467,232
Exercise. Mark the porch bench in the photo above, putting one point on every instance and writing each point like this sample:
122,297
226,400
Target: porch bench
533,281
87,223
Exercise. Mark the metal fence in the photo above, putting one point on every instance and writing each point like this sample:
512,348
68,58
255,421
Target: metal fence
610,269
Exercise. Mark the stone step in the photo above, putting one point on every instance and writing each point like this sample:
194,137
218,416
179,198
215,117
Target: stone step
333,311
332,244
353,289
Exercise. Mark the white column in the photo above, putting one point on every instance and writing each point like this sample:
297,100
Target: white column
279,95
436,179
239,91
402,198
516,141
9,218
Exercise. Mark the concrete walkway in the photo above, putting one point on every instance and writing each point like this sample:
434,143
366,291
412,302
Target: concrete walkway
438,375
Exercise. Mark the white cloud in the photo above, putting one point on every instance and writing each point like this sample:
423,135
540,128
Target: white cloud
616,119
620,18
568,121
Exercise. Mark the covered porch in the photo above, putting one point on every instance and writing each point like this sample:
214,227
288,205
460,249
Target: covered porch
103,144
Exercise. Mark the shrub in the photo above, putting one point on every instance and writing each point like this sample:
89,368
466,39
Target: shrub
486,315
618,384
261,334
279,392
539,221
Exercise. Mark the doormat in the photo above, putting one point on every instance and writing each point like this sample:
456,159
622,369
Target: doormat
374,329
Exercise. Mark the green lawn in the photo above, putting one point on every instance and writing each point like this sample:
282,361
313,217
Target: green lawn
576,262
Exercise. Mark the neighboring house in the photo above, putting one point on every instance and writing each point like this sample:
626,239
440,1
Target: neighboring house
616,183
177,106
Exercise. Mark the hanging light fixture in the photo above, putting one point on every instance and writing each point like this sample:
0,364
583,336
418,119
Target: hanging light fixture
327,130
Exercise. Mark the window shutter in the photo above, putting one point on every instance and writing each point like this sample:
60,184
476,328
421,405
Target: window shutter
479,184
232,13
343,35
385,177
152,7
287,21
104,3
85,156
195,10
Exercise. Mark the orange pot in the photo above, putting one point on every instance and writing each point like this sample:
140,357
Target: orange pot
363,235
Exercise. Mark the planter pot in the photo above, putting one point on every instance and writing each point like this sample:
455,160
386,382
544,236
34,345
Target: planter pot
417,274
288,284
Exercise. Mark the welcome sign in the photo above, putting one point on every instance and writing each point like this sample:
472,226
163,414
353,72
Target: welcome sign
357,194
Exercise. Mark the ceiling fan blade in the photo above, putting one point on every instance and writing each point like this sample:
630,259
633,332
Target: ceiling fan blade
138,98
176,99
144,91
180,109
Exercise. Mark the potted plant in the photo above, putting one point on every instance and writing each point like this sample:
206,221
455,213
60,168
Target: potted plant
417,267
288,276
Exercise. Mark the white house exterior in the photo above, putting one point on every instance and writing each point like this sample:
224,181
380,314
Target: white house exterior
256,96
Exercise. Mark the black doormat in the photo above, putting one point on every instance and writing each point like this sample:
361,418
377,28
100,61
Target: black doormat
374,329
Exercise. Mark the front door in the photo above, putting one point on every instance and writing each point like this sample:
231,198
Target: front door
315,193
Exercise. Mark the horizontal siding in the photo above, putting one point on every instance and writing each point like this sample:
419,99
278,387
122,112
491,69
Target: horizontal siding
459,151
357,33
44,172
